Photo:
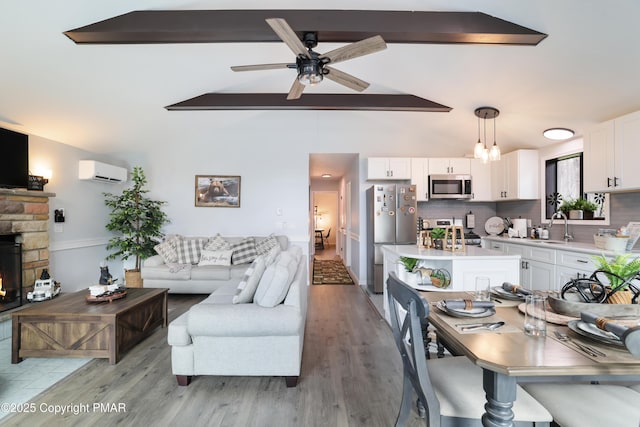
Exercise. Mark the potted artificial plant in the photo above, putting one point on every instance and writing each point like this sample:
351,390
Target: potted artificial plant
408,273
578,209
437,234
619,270
136,220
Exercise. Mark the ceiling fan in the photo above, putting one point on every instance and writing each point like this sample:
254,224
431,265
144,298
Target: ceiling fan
312,67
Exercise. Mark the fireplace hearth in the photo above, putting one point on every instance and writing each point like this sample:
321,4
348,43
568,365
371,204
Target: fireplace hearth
10,273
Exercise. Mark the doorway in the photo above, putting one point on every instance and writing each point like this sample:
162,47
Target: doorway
326,217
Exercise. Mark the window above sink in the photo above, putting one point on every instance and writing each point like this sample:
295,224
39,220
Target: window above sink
562,182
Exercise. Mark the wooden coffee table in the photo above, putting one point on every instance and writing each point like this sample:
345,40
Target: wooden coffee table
70,326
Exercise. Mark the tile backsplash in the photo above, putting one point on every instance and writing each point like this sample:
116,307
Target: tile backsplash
624,207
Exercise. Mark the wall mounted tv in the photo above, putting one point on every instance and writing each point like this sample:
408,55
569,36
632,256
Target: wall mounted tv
14,159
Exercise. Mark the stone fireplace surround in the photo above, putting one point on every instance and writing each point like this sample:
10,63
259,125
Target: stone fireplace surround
26,213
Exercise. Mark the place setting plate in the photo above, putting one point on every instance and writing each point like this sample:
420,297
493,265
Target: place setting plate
474,312
591,331
499,292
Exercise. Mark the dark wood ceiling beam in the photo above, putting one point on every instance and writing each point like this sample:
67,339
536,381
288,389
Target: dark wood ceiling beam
344,26
328,101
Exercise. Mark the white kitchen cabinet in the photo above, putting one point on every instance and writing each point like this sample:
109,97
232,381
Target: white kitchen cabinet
444,166
481,188
388,168
611,151
537,266
515,176
420,177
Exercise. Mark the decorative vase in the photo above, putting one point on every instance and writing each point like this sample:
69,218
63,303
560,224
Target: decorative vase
408,277
133,278
620,297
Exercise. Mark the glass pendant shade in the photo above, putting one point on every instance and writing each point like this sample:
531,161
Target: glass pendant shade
480,150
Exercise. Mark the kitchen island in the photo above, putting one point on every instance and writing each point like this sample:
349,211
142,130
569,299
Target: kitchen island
463,266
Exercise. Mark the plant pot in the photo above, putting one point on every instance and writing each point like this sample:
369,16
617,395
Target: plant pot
132,278
437,244
576,214
620,297
587,214
408,277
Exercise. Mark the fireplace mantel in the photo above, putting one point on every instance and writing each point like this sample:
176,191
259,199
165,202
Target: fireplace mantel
28,193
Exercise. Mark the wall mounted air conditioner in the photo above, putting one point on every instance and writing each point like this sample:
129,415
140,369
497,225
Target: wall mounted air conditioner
98,171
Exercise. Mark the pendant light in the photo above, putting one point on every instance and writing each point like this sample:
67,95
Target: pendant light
480,150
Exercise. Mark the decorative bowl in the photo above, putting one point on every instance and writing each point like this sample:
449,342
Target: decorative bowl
573,308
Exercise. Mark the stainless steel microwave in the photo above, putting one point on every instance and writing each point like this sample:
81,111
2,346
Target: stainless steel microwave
450,187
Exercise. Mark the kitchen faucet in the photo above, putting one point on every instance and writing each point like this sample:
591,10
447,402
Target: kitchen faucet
561,214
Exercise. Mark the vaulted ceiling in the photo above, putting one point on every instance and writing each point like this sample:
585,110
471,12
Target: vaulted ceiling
112,97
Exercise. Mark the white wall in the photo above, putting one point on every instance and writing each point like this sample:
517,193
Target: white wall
78,246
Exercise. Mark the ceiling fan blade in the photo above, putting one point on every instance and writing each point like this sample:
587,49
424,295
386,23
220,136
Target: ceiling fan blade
354,50
284,31
296,90
345,79
261,67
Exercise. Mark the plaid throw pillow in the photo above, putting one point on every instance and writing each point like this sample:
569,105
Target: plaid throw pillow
249,283
266,244
244,251
217,243
189,250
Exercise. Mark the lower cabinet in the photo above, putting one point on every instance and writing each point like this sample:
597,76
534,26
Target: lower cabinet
537,275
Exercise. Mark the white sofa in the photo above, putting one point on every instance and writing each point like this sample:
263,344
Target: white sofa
195,279
217,337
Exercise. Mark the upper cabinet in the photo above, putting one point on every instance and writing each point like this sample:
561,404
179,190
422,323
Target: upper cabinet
420,177
388,168
515,176
610,155
441,166
481,181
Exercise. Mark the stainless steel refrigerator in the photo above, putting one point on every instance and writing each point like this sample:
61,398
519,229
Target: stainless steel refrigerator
391,220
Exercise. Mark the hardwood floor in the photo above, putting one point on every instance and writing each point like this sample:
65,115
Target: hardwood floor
351,376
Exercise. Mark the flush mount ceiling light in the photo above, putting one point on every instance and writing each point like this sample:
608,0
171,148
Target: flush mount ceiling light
558,134
326,175
480,150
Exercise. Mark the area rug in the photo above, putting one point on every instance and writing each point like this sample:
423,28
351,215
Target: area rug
330,272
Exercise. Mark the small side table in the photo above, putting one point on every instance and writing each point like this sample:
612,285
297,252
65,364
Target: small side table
319,239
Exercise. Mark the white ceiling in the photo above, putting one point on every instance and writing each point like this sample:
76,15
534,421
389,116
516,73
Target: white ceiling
111,98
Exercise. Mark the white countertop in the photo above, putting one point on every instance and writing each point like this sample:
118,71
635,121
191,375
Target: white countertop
471,252
588,248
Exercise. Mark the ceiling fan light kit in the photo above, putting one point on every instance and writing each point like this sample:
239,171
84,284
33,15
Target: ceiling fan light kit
313,66
480,150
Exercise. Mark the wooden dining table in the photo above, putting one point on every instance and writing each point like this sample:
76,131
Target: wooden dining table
508,356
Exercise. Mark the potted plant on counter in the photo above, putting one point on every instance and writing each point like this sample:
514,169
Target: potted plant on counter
579,208
137,221
408,272
619,272
437,234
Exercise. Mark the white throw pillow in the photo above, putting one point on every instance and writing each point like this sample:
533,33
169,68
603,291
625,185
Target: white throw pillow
272,255
274,284
217,243
249,283
167,250
215,257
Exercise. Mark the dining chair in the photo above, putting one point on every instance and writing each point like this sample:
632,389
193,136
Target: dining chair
326,237
449,390
589,405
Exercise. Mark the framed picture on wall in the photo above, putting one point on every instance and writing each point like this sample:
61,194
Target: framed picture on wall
217,191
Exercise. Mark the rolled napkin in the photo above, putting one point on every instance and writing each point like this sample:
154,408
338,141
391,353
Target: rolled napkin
466,304
629,336
515,289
